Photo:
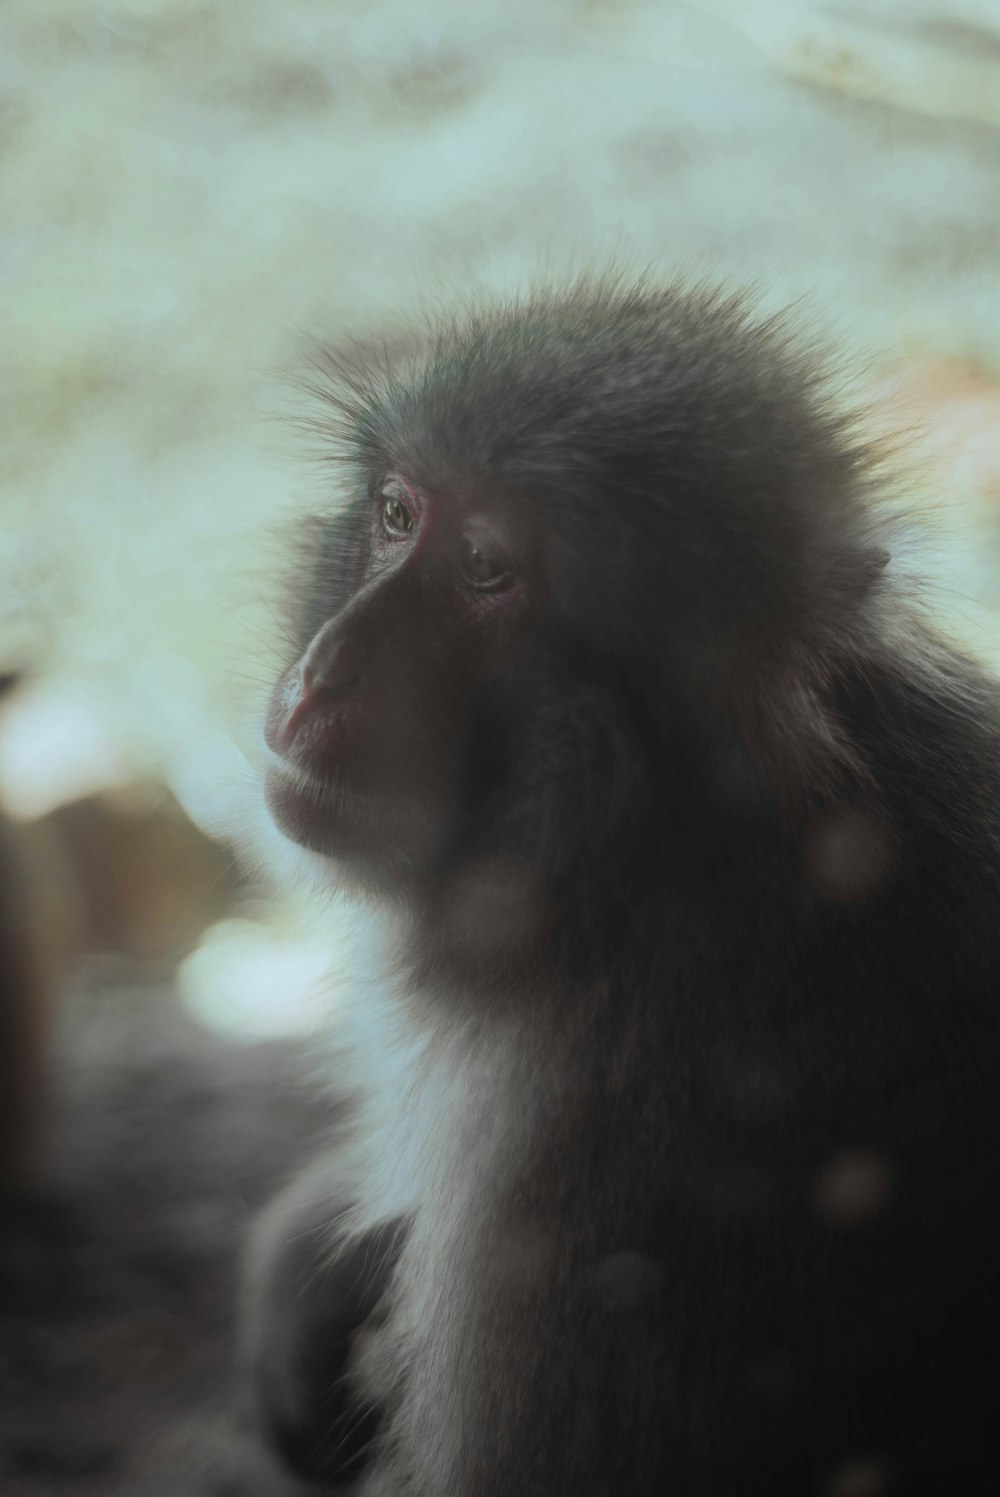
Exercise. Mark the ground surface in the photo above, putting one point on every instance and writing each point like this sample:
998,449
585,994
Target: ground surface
116,1280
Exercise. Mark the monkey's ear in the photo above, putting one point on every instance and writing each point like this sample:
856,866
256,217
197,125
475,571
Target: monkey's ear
876,561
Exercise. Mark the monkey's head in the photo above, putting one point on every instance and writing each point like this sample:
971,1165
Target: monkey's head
577,606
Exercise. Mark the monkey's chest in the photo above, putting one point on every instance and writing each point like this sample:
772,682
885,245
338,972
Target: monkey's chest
522,1352
700,1337
505,1384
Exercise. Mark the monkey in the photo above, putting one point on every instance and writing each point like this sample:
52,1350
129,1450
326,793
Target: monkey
673,1121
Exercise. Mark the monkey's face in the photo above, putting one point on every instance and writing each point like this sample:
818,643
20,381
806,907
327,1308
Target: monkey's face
370,729
561,624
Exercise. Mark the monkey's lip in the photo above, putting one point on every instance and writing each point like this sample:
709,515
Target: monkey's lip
296,803
314,812
323,814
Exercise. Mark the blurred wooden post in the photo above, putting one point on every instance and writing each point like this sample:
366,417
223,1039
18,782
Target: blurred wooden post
32,967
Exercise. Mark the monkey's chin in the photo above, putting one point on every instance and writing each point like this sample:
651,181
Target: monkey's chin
330,819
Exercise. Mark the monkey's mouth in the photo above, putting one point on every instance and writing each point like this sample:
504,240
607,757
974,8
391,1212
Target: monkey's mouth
348,776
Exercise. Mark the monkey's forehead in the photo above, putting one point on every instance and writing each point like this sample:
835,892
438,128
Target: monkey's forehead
626,384
646,425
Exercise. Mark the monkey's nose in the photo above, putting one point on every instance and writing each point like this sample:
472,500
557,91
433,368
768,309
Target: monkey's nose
331,666
338,683
326,675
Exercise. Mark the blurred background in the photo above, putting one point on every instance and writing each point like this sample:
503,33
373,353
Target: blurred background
186,187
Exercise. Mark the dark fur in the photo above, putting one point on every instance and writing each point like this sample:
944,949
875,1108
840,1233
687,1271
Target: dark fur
686,1096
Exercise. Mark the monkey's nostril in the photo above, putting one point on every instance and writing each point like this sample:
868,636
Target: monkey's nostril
337,679
341,685
305,694
331,666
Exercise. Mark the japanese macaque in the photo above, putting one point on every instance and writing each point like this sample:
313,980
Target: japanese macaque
674,1118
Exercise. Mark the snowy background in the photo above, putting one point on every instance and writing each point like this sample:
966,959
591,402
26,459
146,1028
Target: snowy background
187,184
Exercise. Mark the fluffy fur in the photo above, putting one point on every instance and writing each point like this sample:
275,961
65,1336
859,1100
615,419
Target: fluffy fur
673,1164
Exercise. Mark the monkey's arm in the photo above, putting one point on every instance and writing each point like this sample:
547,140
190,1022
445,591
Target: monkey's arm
311,1287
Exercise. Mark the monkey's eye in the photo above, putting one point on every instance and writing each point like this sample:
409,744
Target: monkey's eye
481,568
397,522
